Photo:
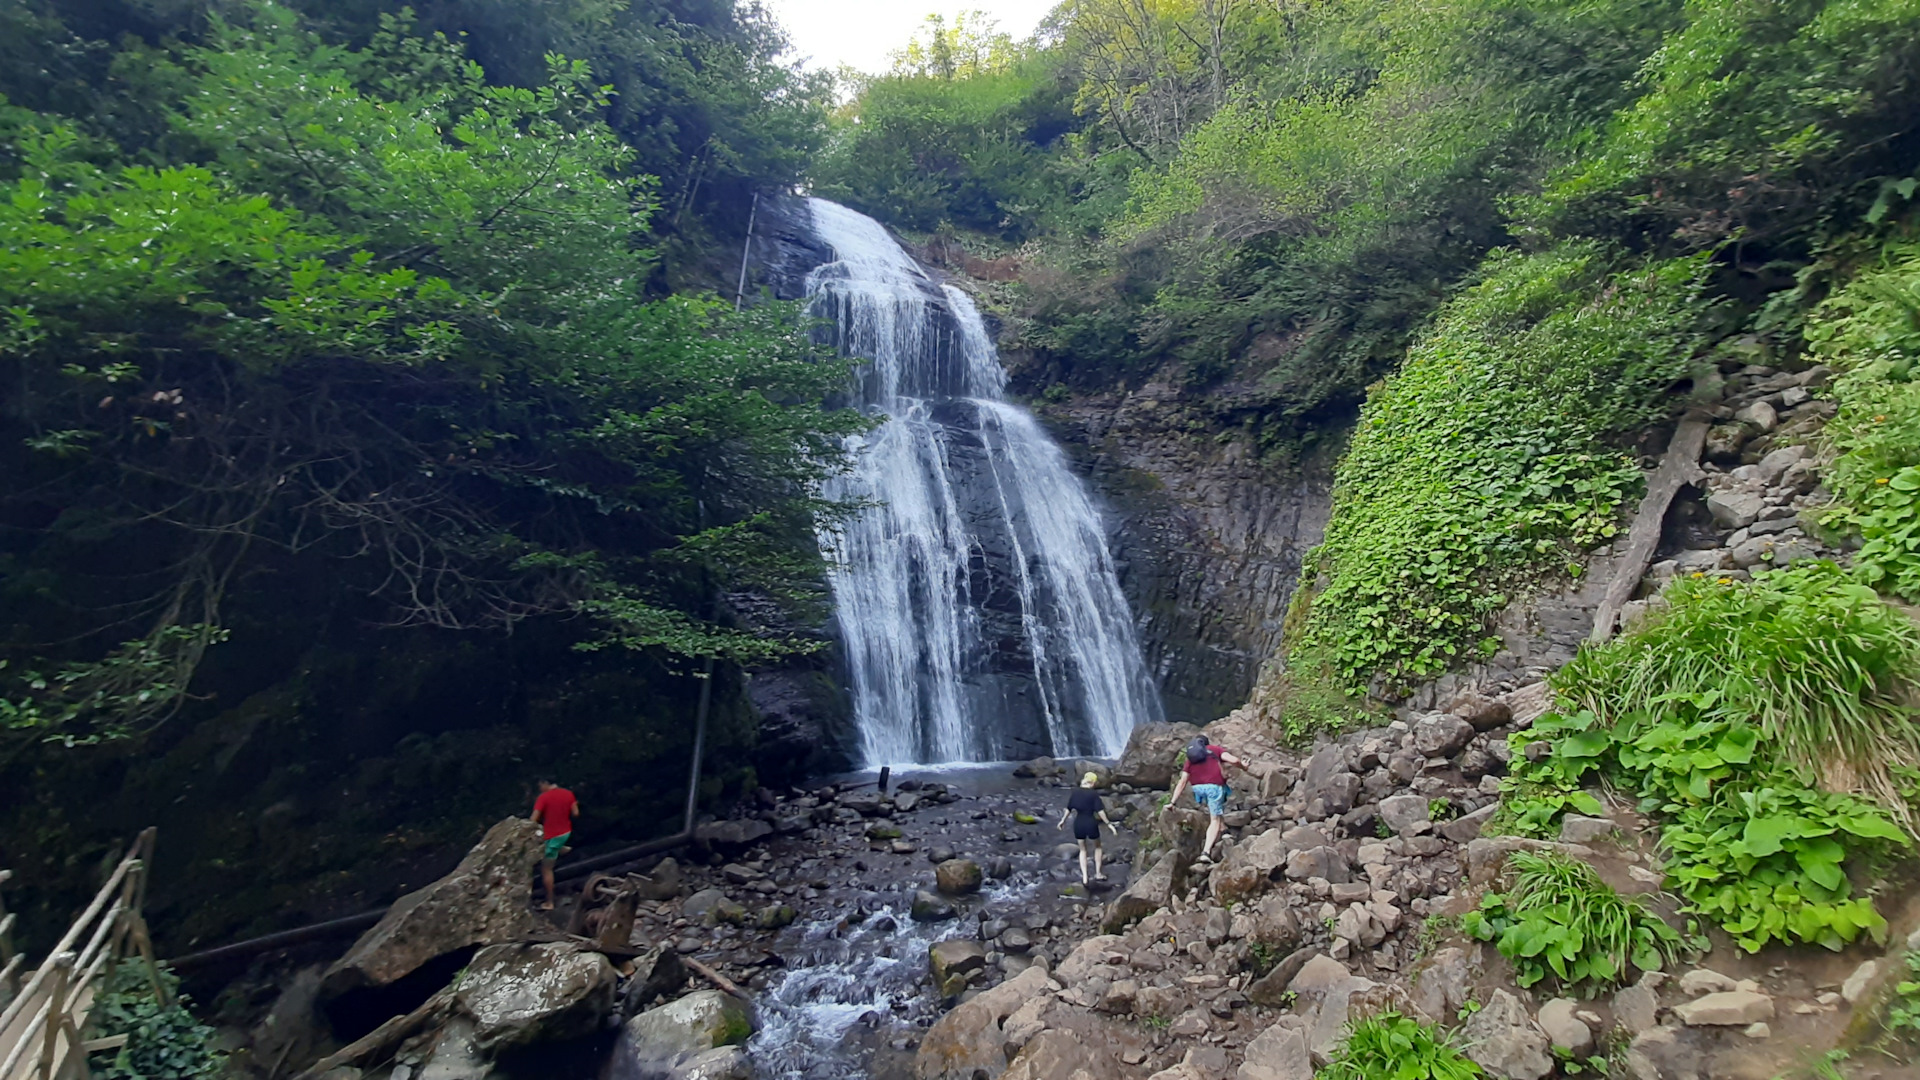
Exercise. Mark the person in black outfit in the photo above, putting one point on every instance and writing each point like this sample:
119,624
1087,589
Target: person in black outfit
1088,815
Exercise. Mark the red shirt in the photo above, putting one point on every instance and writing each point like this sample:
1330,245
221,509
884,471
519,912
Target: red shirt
1208,771
554,808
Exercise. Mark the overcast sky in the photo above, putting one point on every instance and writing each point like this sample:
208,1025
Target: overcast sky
862,32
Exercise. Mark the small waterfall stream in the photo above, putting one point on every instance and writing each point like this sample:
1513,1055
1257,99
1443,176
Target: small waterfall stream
975,594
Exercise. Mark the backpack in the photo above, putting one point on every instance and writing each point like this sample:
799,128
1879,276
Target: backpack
1197,751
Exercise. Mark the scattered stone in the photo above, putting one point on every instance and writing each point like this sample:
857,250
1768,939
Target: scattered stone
733,834
1727,1007
1040,766
693,1024
929,907
1503,1040
1325,863
1406,814
1860,982
955,956
1636,1008
663,883
957,877
1759,416
1563,1028
1483,712
1272,988
1735,509
1148,892
1580,829
1441,986
1705,981
1466,828
1759,1029
1441,735
1278,1053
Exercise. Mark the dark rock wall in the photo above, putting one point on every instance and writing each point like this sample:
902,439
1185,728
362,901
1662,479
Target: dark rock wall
1210,539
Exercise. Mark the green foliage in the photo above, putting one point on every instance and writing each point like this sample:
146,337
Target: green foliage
1813,666
1869,331
1722,713
1817,86
388,312
1486,462
1559,919
1395,1047
164,1041
1903,1011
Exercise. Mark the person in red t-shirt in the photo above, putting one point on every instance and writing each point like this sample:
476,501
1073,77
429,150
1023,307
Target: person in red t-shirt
1202,768
554,810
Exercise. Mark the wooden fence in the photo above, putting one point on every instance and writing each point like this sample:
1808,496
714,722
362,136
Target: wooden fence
44,1015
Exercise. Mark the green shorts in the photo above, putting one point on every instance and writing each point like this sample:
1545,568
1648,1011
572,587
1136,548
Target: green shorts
554,845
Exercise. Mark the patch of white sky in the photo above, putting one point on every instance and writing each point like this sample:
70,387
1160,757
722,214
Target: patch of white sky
863,34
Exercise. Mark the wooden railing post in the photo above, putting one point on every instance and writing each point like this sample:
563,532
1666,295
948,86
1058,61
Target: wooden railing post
56,1014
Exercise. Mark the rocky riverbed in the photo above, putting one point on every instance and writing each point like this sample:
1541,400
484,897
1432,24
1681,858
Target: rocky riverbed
938,931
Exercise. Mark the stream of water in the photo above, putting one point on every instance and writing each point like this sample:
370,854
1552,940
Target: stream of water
975,593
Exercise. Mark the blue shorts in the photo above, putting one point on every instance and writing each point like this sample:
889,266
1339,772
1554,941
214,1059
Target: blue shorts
1212,796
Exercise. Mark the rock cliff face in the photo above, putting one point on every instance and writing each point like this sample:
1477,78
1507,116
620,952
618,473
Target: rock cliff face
1210,538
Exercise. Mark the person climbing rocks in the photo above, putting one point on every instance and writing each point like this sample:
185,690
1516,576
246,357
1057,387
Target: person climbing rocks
1089,813
1202,769
554,809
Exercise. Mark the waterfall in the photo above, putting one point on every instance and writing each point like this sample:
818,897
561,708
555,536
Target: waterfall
977,600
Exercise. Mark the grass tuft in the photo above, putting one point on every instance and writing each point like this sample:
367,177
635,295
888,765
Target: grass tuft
1827,671
1561,919
1395,1047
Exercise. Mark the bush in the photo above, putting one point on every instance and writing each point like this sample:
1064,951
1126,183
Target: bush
1487,462
164,1042
1869,332
1395,1047
1560,919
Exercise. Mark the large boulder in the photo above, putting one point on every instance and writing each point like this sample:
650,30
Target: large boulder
1152,756
1505,1041
688,1026
526,993
486,900
955,957
968,1041
1149,892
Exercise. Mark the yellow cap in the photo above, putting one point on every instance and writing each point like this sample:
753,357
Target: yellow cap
1090,779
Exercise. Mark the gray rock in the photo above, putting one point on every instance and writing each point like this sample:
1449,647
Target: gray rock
486,900
696,1023
1040,766
1465,828
1701,981
1727,1007
1775,465
1015,940
1152,756
1735,509
929,907
1700,561
1580,829
1441,986
1406,814
969,1038
1272,988
738,833
1278,1053
1563,1028
1441,735
702,904
526,993
1857,984
1483,712
664,882
1506,1042
1636,1008
958,876
1321,862
1149,892
1759,415
955,956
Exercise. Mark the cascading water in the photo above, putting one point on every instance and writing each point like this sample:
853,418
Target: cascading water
975,593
